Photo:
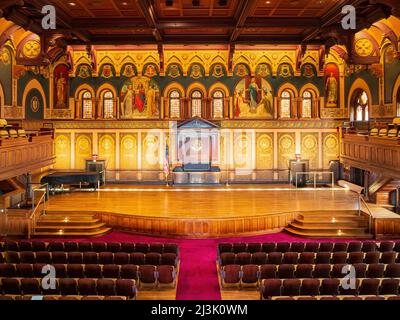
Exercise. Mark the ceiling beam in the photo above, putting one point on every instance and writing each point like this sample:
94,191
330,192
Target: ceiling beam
333,16
117,23
243,11
149,12
9,3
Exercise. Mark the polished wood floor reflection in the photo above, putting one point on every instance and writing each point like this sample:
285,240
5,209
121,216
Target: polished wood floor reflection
222,202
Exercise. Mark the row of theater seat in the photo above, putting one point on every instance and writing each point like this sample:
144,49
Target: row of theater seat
84,246
143,274
259,258
252,274
81,287
120,258
331,287
59,297
322,298
12,133
283,247
385,132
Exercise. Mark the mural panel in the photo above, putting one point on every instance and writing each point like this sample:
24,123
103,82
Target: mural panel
107,149
331,85
309,148
150,151
242,151
330,148
286,149
128,152
140,98
253,99
61,85
83,149
62,144
264,151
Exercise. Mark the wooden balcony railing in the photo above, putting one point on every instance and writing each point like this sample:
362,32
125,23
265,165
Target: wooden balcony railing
375,154
25,154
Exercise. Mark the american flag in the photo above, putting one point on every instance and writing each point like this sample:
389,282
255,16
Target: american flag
166,160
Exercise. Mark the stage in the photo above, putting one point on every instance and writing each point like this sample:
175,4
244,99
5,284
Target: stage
202,211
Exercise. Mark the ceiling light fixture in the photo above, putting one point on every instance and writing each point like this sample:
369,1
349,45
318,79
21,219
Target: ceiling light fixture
72,4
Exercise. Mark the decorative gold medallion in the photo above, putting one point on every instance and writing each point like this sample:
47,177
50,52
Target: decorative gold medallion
364,47
31,49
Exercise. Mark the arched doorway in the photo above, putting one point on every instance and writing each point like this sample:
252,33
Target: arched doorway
360,106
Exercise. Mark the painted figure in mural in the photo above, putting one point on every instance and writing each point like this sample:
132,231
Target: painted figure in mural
127,103
151,101
253,99
267,102
61,91
253,92
140,98
332,90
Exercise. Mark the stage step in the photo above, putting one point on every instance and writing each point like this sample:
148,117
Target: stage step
69,224
341,224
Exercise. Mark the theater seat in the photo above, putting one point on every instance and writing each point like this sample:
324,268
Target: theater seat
129,271
106,287
126,287
268,271
250,275
166,275
230,275
147,275
271,288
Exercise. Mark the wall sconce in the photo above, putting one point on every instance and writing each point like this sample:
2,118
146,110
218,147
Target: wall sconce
298,156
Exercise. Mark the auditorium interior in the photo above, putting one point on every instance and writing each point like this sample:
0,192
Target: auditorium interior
199,150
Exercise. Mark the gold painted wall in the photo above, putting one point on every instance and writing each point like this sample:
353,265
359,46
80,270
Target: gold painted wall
128,151
107,149
62,143
242,151
264,151
150,151
330,148
309,148
286,149
83,149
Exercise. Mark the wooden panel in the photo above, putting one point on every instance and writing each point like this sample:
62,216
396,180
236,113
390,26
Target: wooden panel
22,155
376,154
196,228
387,228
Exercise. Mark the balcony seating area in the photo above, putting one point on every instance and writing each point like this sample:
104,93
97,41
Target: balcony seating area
86,270
9,131
390,130
289,269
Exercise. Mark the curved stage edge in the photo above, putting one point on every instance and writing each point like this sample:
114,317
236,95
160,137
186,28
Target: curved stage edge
197,227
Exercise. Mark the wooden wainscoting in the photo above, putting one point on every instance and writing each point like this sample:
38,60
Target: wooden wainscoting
21,155
387,228
197,227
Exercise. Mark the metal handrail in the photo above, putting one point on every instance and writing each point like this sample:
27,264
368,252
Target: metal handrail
361,201
40,186
315,173
32,217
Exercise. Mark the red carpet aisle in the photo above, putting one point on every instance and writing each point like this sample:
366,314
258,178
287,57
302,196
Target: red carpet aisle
198,279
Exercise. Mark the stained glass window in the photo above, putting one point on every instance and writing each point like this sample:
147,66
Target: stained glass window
108,105
285,104
87,105
196,103
175,104
306,105
218,104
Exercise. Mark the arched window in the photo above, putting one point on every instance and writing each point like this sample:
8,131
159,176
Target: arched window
286,102
197,98
306,109
175,104
218,104
108,105
361,111
87,105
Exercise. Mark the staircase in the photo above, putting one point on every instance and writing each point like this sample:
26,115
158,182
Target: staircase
69,224
383,195
332,224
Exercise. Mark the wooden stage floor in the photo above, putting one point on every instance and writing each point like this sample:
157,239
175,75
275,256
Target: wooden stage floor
204,202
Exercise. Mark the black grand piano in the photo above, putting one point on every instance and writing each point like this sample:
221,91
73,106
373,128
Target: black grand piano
59,178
